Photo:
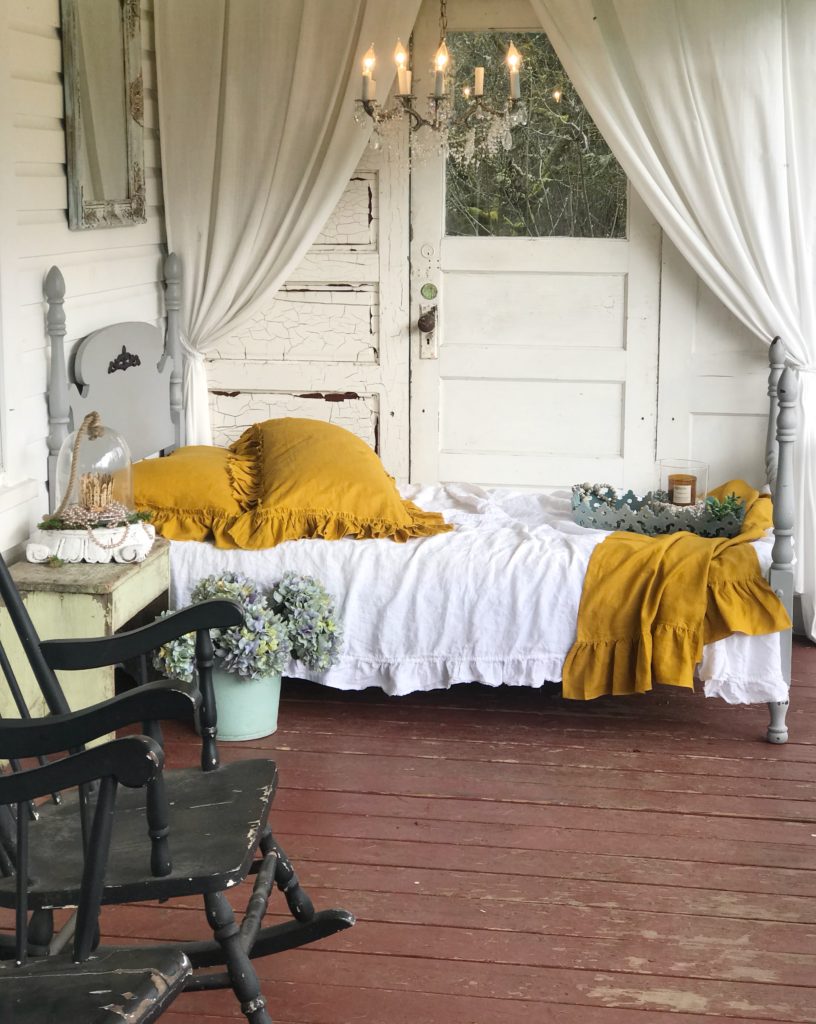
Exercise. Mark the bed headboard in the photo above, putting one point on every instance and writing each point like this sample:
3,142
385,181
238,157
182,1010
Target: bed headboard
128,372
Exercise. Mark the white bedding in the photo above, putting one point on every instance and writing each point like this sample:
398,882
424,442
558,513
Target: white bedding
495,601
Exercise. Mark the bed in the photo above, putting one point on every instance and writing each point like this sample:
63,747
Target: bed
494,601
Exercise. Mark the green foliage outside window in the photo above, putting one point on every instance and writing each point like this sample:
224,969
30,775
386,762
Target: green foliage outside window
559,178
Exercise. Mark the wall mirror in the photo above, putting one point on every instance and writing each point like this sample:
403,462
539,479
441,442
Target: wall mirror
104,112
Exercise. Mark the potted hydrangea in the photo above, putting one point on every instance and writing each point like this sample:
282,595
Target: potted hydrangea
294,618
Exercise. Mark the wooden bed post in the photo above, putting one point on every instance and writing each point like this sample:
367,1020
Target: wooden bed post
776,358
172,302
58,408
781,574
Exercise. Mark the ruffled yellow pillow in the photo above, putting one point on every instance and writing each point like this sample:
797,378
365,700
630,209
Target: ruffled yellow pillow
314,479
195,493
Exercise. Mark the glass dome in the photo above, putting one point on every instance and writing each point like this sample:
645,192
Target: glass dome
93,471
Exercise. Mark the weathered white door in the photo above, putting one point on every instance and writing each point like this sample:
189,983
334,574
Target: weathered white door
332,344
542,368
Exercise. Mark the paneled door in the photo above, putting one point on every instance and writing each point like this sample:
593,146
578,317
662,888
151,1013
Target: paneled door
333,343
540,270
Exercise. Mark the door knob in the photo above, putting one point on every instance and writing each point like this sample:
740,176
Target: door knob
427,321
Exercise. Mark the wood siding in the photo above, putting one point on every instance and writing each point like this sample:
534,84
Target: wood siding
111,274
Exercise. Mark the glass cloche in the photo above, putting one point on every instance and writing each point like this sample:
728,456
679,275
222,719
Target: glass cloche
94,484
95,519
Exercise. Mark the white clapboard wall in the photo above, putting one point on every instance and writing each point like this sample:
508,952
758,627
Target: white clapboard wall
111,274
333,343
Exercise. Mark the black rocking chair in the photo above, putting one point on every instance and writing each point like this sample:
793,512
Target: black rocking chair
80,987
197,831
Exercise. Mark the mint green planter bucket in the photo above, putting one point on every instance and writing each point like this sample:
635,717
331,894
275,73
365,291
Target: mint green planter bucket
247,708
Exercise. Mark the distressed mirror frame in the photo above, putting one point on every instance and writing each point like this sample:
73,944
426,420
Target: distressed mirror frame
112,211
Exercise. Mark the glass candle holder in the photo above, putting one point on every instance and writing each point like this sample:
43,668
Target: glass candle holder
684,480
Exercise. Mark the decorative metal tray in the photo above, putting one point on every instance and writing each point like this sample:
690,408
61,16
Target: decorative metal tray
602,507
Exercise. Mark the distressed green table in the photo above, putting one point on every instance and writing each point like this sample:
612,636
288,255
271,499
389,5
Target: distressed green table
82,600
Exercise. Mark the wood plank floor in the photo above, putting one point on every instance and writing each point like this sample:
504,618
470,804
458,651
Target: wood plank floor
516,859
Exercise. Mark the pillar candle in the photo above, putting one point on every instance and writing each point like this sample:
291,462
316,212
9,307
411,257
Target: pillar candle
478,82
683,488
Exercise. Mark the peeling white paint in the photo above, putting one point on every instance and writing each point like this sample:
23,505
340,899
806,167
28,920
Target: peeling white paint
355,220
231,415
338,327
311,322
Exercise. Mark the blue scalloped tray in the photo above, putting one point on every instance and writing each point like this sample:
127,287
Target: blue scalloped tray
648,514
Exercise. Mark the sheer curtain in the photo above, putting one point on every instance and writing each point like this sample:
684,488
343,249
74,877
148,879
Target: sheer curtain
708,106
258,141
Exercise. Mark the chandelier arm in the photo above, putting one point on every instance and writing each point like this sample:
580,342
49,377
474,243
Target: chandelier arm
417,120
477,105
379,115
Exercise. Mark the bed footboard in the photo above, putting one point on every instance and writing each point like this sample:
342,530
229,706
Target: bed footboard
783,392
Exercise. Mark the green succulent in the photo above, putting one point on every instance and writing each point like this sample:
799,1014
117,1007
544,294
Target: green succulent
731,505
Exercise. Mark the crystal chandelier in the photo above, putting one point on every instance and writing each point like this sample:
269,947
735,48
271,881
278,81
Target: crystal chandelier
485,128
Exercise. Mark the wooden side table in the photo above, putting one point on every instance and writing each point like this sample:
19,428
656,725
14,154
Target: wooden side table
81,600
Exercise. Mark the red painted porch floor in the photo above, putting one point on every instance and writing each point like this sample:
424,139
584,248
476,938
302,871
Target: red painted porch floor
515,859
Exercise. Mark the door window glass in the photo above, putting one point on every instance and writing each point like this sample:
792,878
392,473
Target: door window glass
558,179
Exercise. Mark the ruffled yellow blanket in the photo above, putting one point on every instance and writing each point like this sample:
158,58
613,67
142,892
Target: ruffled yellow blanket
650,603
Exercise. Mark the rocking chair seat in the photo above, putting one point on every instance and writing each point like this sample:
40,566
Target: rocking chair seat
113,986
215,829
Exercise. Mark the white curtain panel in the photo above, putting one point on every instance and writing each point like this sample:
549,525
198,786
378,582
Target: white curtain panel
258,141
709,107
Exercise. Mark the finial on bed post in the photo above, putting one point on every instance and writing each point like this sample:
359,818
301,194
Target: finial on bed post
781,574
58,408
776,358
172,302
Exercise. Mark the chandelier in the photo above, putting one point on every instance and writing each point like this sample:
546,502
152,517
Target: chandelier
484,128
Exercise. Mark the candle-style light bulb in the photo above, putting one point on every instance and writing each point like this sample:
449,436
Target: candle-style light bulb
513,57
513,60
556,95
441,58
401,55
403,72
369,85
466,91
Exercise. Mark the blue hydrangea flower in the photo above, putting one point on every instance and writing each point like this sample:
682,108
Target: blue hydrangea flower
295,618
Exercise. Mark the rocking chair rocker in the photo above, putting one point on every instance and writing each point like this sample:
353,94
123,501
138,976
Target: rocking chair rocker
173,849
130,984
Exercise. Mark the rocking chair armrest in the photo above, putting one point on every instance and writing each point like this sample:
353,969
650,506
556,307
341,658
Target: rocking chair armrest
110,650
133,761
151,702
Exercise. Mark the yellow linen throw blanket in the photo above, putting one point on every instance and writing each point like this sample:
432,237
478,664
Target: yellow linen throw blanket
650,603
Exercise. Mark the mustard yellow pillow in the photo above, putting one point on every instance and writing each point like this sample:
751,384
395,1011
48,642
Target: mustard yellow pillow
314,479
195,493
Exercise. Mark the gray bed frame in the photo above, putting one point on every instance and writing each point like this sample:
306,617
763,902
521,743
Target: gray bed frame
131,374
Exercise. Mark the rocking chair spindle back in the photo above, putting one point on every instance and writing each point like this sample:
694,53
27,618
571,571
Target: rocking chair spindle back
121,984
166,849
